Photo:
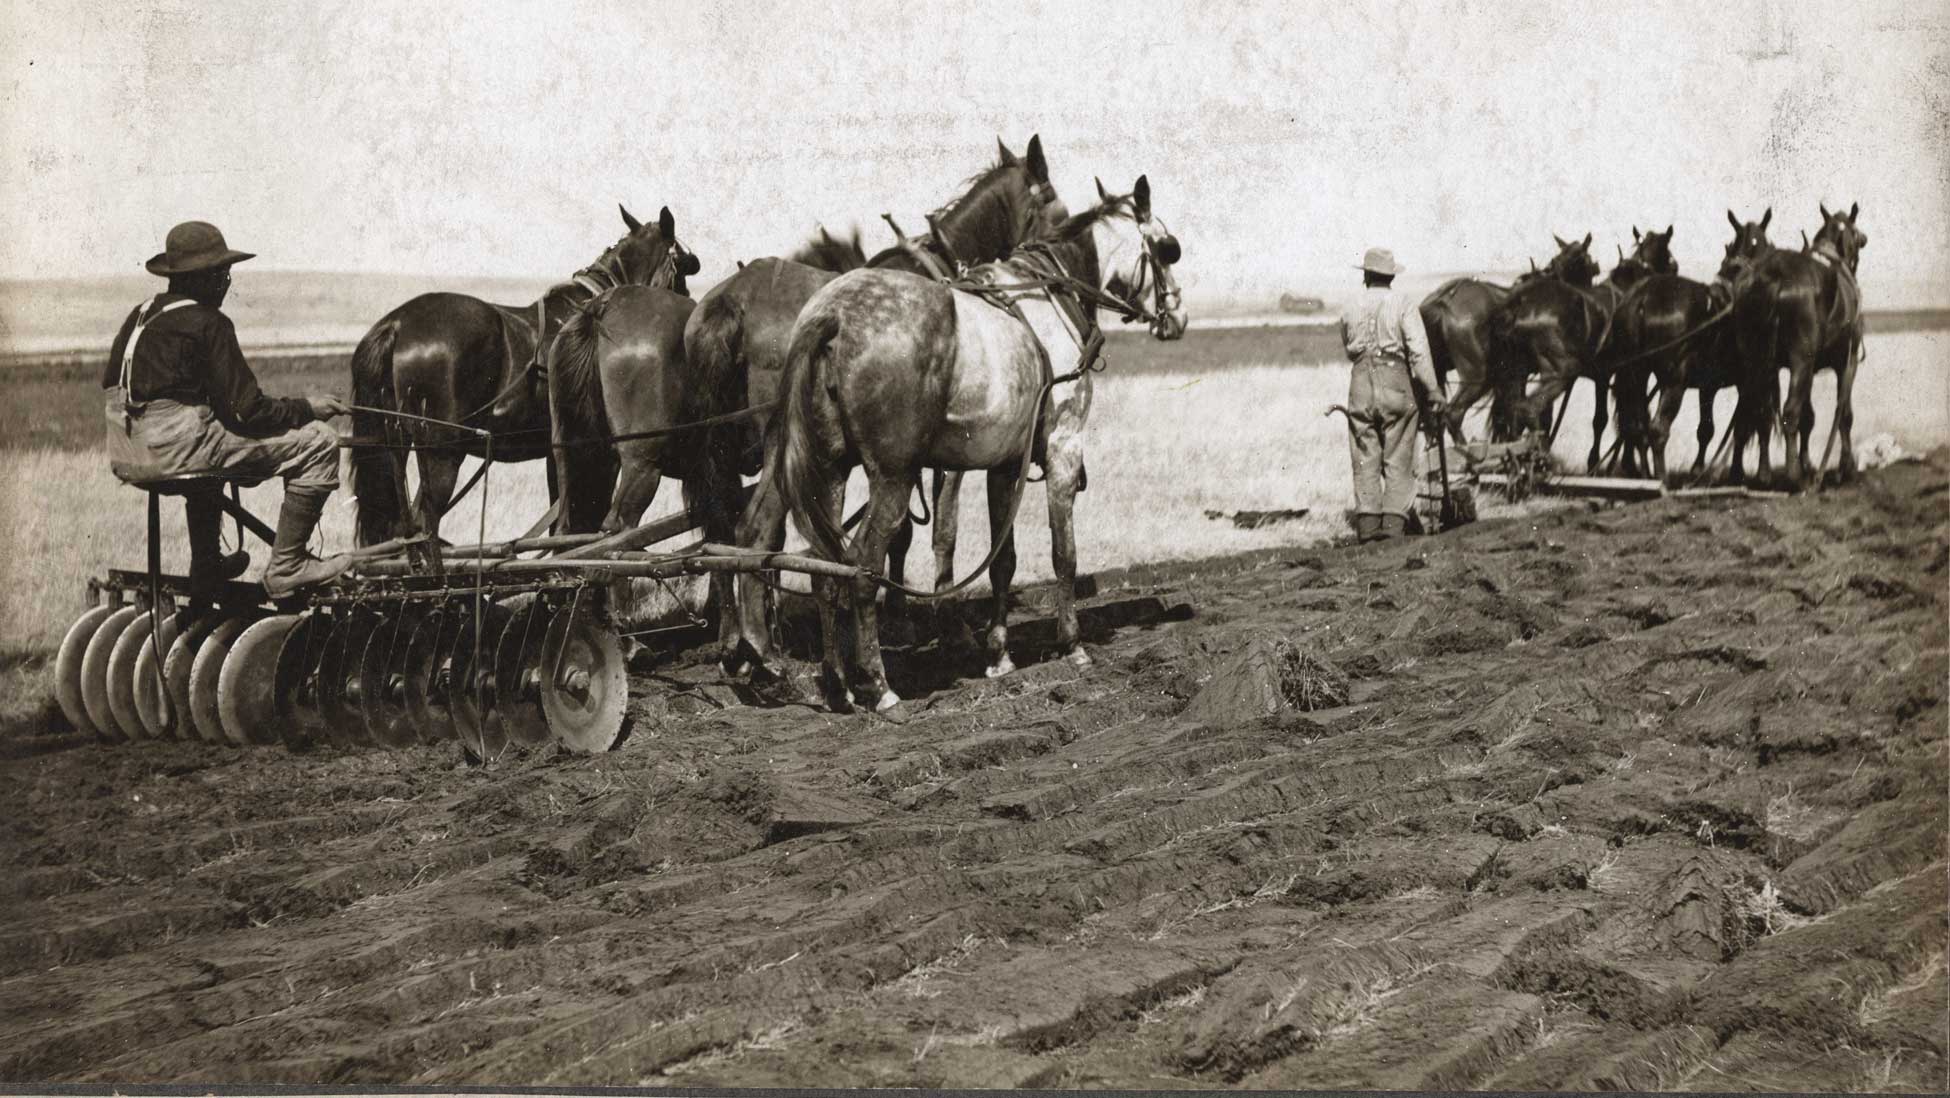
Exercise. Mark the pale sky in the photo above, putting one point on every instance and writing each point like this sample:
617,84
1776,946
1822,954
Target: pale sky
494,139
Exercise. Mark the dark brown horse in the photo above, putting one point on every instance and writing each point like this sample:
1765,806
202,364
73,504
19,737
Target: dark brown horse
1802,312
1555,329
622,382
1457,316
1665,332
895,373
739,334
458,358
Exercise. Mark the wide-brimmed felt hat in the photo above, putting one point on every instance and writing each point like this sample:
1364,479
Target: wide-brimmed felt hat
1380,261
194,246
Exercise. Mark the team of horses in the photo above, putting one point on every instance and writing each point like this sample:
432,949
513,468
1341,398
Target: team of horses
968,349
1644,335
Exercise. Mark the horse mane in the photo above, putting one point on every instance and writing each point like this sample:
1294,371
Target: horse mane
829,253
576,382
961,218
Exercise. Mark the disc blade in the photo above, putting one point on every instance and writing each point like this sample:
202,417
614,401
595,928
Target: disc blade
517,656
176,672
94,671
151,693
295,689
204,673
584,688
338,668
381,680
121,673
67,667
470,679
424,685
248,680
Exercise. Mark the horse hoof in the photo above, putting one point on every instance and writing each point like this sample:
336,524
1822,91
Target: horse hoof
888,700
1078,657
1000,668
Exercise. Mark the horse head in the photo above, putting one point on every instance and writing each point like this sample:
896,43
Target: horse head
1139,257
1010,202
1573,262
830,253
648,254
1653,251
1748,244
1839,236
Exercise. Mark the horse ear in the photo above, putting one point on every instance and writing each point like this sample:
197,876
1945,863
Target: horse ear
1733,221
667,224
1853,209
1765,218
1561,242
1587,242
1668,234
1003,154
1102,194
1825,215
1038,167
824,235
1635,234
631,222
1141,197
1621,252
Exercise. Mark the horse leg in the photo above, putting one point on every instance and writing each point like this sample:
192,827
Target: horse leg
638,478
746,640
709,494
947,514
1793,436
1064,467
898,545
1600,414
1002,571
886,514
1467,394
438,472
1703,434
1672,392
828,593
1845,409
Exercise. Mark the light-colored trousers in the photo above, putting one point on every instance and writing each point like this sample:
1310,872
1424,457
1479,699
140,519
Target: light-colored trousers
169,437
1383,422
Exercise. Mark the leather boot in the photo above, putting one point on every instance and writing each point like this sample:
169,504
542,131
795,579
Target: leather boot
1392,526
1367,528
292,567
208,562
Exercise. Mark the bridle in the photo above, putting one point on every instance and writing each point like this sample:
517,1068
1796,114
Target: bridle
605,274
1152,279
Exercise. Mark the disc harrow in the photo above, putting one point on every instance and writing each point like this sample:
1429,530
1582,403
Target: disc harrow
489,645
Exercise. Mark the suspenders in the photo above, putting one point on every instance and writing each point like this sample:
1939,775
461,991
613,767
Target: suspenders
129,407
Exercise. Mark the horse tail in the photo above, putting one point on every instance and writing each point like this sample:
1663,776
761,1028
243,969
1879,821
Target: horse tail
797,462
374,475
1435,310
714,345
1506,380
576,385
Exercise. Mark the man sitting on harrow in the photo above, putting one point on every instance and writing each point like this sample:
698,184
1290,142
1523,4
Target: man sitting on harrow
180,399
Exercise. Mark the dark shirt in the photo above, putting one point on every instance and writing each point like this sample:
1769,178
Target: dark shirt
190,355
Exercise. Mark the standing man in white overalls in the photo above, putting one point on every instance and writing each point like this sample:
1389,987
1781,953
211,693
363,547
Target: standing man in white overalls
1384,337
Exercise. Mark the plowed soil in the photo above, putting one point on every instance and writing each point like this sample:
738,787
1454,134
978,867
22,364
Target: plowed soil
1649,796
